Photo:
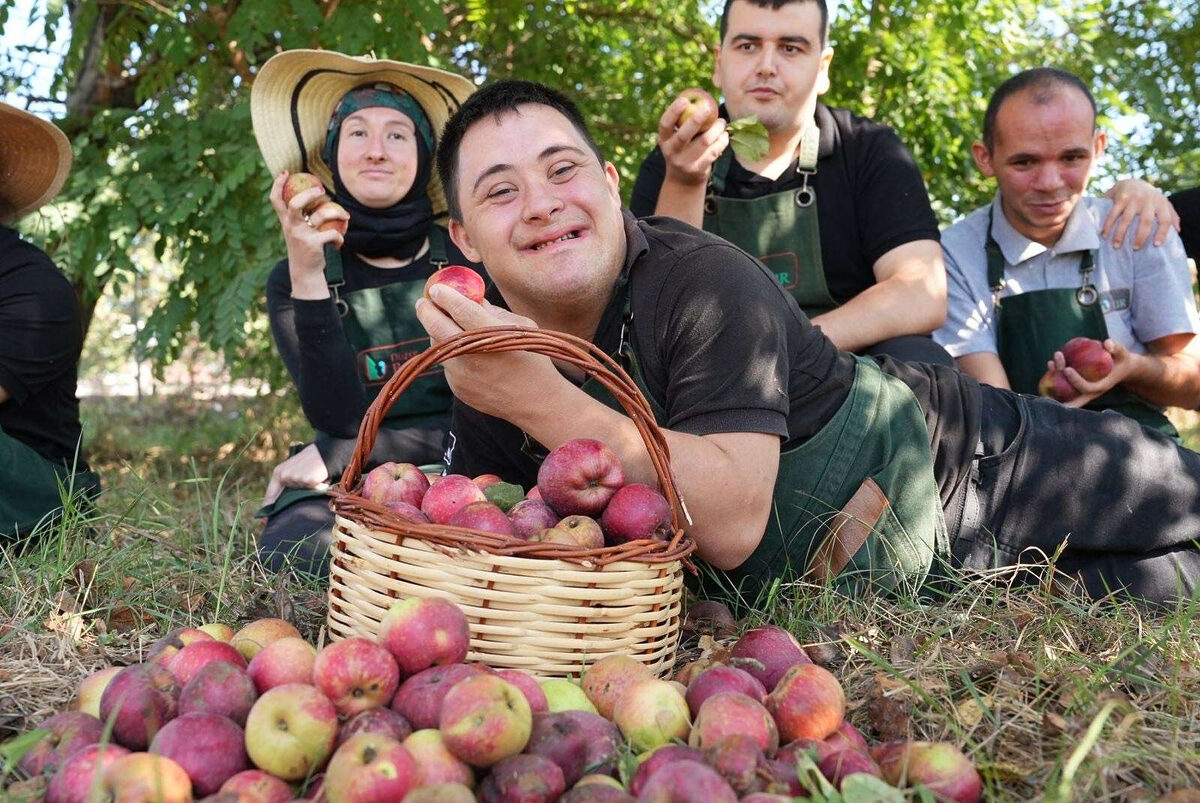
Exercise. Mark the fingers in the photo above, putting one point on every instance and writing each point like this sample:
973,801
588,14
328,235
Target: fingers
274,488
670,118
276,194
437,323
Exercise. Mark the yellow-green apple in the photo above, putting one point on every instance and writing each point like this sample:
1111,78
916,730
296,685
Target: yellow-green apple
1088,357
565,695
256,786
441,793
259,633
419,698
717,679
596,779
579,742
482,516
421,632
218,630
940,766
164,649
700,105
485,719
485,480
219,688
529,687
140,699
529,517
297,183
286,660
657,759
844,761
188,661
73,780
391,483
685,782
766,797
459,277
807,703
523,777
435,763
447,495
383,721
692,669
356,674
579,531
91,688
339,223
712,617
606,680
738,759
145,778
291,731
579,477
596,793
67,733
635,512
767,652
652,713
370,768
729,712
210,748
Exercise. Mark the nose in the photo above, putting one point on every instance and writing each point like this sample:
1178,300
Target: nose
766,62
1047,178
375,148
542,202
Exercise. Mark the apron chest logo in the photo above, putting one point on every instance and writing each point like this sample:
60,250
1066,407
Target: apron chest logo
783,266
377,365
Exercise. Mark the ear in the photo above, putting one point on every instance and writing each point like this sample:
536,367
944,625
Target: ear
983,159
614,180
823,71
716,76
1099,143
459,236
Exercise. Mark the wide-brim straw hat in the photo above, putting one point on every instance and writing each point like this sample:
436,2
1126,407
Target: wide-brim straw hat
35,158
296,92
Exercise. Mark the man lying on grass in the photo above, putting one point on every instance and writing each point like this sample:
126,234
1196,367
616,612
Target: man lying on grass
793,457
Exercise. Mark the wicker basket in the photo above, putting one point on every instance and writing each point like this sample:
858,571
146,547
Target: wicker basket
549,609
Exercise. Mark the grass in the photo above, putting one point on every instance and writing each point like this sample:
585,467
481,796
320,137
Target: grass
1055,697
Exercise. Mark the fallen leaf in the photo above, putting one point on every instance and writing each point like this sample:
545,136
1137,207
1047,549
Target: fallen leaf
969,712
903,651
888,705
1188,795
122,617
1054,724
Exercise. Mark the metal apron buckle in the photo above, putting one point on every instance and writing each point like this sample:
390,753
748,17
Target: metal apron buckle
805,195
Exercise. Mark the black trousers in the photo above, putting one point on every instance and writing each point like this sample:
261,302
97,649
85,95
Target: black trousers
298,537
910,348
1124,499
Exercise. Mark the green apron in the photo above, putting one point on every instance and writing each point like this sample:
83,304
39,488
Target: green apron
1031,326
384,333
34,486
780,229
877,442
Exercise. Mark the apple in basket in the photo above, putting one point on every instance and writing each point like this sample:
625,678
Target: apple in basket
391,483
580,477
447,495
578,531
636,511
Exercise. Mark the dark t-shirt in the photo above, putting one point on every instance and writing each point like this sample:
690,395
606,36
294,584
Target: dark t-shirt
1187,205
323,366
722,348
41,335
870,196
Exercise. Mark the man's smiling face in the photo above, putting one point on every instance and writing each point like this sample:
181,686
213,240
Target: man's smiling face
539,210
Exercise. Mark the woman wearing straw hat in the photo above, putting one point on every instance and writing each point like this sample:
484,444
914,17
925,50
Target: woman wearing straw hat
41,335
341,306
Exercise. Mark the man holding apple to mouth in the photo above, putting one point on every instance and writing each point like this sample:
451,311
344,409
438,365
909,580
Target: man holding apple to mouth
795,458
837,208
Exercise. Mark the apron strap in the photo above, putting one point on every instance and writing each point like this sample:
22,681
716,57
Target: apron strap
437,247
806,165
334,279
1086,295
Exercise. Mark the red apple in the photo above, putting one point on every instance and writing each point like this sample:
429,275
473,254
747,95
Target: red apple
659,758
287,660
259,633
188,661
686,782
447,495
940,766
847,735
297,183
356,674
141,698
419,698
652,713
69,732
435,763
421,632
73,779
847,761
580,531
338,224
256,786
807,703
482,516
461,278
1055,385
164,649
701,104
607,680
485,719
529,517
525,778
392,483
767,652
636,511
370,768
579,477
484,480
716,679
1088,357
529,687
145,777
219,688
579,742
738,759
291,731
383,721
209,747
726,713
710,616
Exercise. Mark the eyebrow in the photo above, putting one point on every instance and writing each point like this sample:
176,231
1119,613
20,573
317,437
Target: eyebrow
790,40
545,154
1069,152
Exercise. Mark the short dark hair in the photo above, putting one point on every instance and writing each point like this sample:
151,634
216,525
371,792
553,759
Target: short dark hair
497,99
1044,82
775,5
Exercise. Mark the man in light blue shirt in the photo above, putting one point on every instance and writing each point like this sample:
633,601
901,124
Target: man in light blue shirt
1031,270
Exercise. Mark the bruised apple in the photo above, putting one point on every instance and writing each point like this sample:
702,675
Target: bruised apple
460,278
485,719
940,766
807,703
356,674
419,698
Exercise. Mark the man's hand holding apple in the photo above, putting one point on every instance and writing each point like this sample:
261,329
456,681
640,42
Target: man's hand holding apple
304,469
1125,364
691,136
495,384
306,235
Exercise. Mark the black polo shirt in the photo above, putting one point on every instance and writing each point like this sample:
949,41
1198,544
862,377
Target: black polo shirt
722,348
41,335
871,197
1187,205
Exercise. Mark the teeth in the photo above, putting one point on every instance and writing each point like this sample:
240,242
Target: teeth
568,236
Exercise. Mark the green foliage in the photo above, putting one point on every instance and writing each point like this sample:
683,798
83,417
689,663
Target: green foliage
168,178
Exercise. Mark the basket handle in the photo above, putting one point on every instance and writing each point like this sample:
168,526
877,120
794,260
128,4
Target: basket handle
559,346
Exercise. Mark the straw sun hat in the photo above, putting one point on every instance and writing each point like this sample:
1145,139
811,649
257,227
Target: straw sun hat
34,160
296,92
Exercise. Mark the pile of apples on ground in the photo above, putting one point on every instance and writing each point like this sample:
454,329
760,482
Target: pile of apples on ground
262,715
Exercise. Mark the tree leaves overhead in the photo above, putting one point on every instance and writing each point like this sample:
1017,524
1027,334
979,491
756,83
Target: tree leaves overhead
168,178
